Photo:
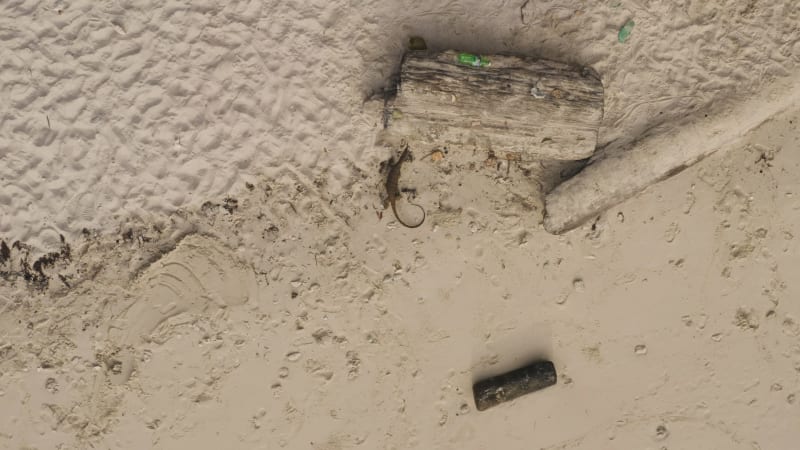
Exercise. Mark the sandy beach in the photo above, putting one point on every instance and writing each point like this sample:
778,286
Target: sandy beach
194,253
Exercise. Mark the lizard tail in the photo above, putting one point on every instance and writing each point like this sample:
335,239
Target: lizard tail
394,209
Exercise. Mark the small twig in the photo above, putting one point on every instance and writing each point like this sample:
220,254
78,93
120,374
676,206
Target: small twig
48,122
64,280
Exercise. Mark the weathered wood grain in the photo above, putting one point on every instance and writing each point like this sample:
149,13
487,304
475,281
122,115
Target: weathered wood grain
612,178
539,109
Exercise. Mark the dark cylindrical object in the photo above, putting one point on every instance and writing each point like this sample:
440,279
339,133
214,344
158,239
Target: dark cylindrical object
510,385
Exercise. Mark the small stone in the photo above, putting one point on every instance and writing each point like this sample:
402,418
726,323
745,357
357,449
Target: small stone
640,349
283,372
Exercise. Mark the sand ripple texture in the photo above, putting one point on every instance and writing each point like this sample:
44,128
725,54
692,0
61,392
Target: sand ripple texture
130,108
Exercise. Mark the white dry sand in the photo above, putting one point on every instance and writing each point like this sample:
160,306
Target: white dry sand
232,281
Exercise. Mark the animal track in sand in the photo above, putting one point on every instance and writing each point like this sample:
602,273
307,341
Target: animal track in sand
198,277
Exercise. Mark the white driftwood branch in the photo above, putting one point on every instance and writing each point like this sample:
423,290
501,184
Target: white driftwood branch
614,178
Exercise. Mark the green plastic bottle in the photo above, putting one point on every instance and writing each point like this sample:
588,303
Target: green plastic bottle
469,59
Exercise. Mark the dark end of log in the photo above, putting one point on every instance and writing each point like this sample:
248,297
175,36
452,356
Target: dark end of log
514,384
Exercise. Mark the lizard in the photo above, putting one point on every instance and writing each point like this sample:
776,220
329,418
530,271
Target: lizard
393,191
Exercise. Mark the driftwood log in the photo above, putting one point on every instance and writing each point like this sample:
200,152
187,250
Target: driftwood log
514,384
613,178
535,109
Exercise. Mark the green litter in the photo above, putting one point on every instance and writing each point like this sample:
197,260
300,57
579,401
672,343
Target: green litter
625,31
473,60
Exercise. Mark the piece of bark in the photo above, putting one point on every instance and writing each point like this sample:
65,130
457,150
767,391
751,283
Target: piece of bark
514,384
535,108
613,178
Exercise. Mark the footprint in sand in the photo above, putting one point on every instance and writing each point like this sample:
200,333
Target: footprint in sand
198,277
